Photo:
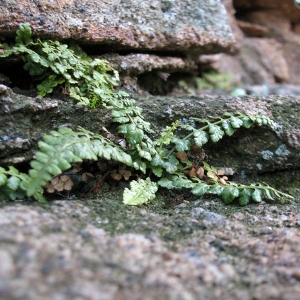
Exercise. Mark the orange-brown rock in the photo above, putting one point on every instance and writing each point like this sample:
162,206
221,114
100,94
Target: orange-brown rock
125,24
270,49
253,30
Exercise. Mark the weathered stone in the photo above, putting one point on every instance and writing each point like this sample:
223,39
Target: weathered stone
153,68
137,64
274,20
238,34
291,51
264,60
274,89
100,249
253,30
265,19
286,7
175,26
260,61
4,79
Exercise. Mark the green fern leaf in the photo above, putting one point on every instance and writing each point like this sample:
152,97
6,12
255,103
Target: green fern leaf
171,165
215,131
229,130
118,155
245,196
229,193
268,194
181,145
3,177
65,140
144,153
157,171
235,122
216,189
140,192
33,68
139,165
157,160
200,137
46,87
101,150
247,122
182,182
13,183
24,34
166,183
200,189
257,195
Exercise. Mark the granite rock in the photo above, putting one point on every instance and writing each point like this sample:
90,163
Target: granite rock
173,26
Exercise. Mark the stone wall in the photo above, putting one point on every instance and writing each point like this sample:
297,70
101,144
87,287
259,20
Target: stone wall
268,40
116,25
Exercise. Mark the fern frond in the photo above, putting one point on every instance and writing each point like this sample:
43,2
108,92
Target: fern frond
63,147
140,192
13,185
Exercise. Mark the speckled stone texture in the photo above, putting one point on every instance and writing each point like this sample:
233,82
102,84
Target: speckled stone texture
190,25
102,250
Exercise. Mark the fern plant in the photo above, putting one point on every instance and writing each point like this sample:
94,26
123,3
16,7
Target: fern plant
88,81
166,160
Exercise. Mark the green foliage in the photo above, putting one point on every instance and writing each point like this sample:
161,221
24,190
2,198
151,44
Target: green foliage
164,159
88,81
140,192
159,156
214,80
13,185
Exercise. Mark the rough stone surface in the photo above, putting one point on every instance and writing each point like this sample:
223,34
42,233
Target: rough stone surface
287,7
276,89
238,34
100,249
153,68
180,26
274,20
264,60
136,64
260,61
276,47
190,248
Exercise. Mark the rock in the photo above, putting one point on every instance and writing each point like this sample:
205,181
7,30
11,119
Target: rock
238,34
173,26
252,66
63,250
287,8
264,68
141,72
3,89
274,25
253,30
4,80
272,20
273,89
137,64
